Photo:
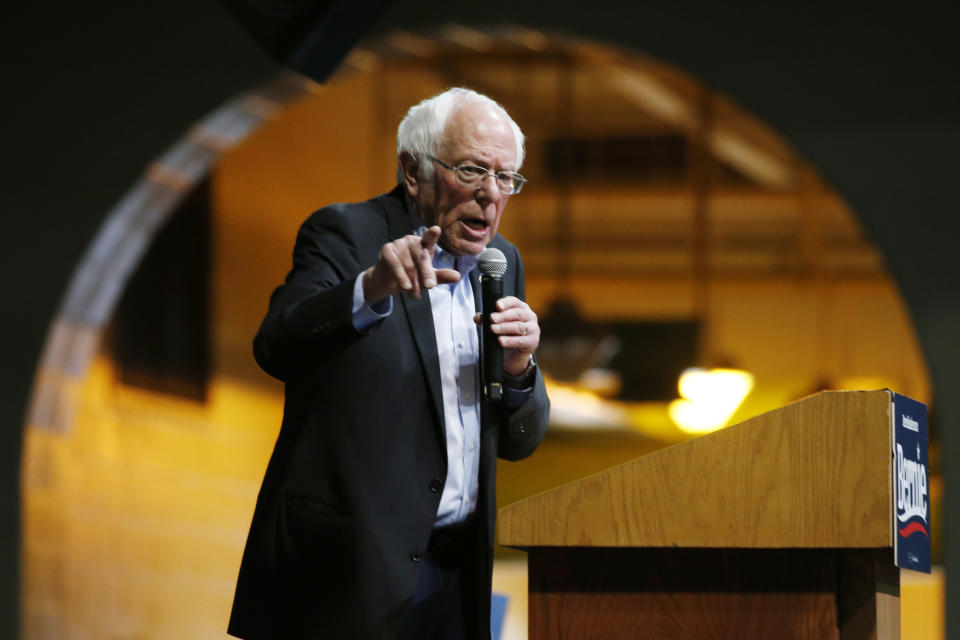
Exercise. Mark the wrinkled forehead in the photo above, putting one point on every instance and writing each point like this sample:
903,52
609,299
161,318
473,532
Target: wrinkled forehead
479,125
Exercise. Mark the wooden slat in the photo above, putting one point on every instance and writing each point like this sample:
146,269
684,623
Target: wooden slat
815,473
808,594
696,594
868,595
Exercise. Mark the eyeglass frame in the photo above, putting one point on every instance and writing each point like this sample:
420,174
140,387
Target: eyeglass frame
517,180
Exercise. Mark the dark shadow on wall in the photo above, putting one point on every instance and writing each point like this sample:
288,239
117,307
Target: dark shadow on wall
160,337
91,95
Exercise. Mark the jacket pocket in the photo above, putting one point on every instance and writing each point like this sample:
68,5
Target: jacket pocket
320,545
316,506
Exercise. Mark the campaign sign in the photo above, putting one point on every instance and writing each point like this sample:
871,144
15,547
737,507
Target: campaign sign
911,479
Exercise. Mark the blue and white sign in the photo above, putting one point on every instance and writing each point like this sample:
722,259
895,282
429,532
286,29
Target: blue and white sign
911,481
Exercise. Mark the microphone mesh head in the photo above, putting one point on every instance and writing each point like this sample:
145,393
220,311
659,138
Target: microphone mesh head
492,262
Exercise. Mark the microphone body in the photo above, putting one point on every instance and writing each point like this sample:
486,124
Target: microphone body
492,265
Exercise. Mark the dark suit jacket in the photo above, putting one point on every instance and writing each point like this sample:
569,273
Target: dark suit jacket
351,492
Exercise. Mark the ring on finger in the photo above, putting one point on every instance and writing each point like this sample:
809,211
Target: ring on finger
523,328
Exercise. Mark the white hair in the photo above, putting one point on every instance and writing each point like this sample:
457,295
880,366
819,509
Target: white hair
421,130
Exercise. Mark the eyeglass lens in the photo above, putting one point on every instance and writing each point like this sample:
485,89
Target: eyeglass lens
472,176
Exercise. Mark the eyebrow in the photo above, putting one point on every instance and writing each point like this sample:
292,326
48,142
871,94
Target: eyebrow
478,163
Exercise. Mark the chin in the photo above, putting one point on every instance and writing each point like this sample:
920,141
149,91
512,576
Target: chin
463,247
473,248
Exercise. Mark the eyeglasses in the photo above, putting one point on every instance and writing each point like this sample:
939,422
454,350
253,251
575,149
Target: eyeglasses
474,177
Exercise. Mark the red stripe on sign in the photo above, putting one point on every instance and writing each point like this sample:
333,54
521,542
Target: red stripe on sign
913,527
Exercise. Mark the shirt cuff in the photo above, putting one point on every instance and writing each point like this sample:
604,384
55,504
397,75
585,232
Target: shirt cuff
365,316
513,398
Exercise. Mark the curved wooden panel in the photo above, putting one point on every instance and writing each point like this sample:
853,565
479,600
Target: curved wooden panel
815,473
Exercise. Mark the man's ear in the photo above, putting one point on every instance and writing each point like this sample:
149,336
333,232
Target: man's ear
410,173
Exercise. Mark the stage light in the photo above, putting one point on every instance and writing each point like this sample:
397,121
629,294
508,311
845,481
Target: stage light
709,398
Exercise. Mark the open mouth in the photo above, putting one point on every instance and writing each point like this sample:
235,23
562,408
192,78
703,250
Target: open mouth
477,224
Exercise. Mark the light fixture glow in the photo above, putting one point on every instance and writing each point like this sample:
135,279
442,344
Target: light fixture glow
709,398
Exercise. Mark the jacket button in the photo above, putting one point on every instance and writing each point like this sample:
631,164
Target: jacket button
435,485
416,555
520,428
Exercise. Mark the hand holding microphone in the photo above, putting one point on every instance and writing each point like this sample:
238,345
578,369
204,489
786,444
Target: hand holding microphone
511,332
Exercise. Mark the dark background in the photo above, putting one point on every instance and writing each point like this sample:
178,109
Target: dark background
867,92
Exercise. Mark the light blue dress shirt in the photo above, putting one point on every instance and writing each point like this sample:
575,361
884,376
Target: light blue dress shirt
459,354
458,349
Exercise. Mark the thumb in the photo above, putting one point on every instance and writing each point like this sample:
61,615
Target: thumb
447,276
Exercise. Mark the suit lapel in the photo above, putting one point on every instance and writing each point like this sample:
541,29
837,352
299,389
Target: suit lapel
477,293
419,313
478,305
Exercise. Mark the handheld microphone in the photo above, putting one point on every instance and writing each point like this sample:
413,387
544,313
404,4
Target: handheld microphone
492,264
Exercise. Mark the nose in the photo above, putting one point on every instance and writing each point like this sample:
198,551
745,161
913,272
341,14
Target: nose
487,191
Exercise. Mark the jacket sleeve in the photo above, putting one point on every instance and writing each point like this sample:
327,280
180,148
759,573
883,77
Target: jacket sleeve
523,428
310,313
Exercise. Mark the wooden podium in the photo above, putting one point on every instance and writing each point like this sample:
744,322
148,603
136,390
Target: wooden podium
777,527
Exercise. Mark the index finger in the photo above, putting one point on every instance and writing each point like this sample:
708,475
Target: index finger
430,237
510,302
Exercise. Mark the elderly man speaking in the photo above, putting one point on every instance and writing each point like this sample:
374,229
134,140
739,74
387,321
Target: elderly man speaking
376,514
